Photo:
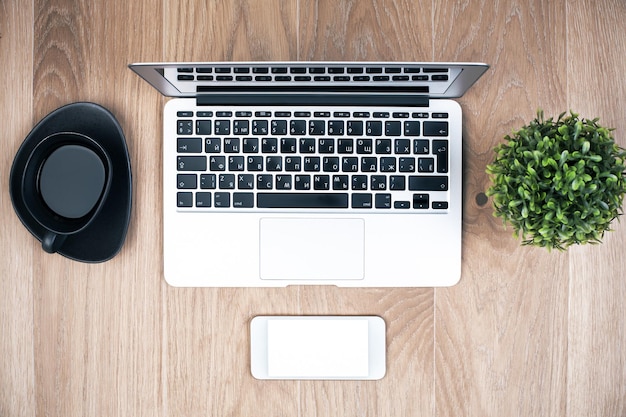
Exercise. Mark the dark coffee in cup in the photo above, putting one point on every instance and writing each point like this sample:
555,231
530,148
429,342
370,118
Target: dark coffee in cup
66,179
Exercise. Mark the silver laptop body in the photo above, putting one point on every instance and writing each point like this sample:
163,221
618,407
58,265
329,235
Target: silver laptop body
312,173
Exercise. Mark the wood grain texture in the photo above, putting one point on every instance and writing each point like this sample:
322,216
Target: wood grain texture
597,334
367,30
17,379
500,346
98,327
526,332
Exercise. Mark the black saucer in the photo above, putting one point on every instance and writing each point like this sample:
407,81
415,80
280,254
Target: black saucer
104,236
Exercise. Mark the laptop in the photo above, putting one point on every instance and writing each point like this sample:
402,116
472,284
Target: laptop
312,173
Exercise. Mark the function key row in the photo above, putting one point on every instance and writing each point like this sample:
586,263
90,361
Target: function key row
311,70
342,114
307,78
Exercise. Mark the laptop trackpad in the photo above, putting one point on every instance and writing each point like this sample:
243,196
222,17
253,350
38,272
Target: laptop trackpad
311,249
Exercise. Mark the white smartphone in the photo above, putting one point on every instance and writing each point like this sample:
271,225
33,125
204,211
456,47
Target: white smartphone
318,347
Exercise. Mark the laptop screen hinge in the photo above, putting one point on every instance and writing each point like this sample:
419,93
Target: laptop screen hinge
293,99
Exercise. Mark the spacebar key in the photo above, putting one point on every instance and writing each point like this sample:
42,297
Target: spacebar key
302,200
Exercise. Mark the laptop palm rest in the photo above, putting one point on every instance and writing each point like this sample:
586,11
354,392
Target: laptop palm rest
311,249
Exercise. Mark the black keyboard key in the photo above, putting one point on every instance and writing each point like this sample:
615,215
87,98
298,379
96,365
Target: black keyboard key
402,146
226,181
232,145
236,163
428,183
435,128
191,163
222,200
312,163
397,182
440,149
406,164
421,146
203,199
321,182
411,128
241,127
302,200
260,70
361,200
364,146
369,164
279,127
208,181
222,70
326,146
355,128
350,164
293,163
307,145
340,182
345,146
259,127
426,165
184,127
402,204
269,145
440,205
421,201
317,127
373,128
297,127
288,145
303,182
274,163
255,163
378,182
264,181
189,145
359,182
185,77
217,163
297,70
245,181
283,182
330,164
279,70
383,201
212,145
243,200
186,181
393,128
241,70
388,164
184,199
383,146
335,127
250,145
222,127
184,114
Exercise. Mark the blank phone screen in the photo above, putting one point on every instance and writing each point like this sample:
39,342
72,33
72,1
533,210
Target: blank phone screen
317,348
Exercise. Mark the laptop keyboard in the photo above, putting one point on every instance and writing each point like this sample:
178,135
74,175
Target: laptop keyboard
269,159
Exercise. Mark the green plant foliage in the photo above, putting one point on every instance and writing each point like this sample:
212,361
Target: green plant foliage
559,182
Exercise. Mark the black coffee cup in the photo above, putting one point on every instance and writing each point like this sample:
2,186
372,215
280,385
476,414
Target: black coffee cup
64,184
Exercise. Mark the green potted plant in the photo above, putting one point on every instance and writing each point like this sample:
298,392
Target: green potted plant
558,183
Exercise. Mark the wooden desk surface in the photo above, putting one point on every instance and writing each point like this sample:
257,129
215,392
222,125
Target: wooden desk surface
525,333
